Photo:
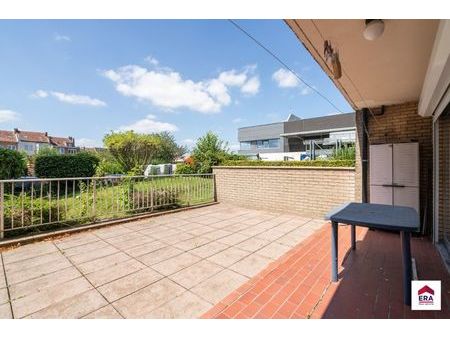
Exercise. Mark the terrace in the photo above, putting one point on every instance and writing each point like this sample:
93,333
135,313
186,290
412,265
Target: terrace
218,261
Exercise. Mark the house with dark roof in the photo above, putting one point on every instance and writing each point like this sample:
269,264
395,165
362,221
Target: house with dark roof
31,141
298,138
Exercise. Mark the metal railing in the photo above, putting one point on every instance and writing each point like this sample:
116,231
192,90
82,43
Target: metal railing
48,203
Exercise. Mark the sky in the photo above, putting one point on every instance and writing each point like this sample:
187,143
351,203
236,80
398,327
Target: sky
86,78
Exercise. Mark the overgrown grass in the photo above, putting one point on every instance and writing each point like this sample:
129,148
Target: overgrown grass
116,198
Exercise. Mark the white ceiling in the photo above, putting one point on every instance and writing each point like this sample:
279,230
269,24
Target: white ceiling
386,71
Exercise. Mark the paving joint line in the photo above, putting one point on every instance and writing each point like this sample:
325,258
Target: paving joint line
7,286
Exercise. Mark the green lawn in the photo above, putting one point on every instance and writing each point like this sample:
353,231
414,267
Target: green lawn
114,198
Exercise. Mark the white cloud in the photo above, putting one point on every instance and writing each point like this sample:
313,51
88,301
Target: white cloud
59,37
305,90
188,142
285,78
251,87
167,89
87,142
148,125
70,98
234,147
7,115
152,60
237,120
40,94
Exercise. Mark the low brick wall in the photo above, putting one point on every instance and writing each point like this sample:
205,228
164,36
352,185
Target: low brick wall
303,190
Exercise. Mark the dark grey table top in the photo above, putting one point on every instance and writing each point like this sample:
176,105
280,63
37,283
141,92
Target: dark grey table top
377,216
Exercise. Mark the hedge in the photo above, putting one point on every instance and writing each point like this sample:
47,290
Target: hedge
12,164
66,165
312,163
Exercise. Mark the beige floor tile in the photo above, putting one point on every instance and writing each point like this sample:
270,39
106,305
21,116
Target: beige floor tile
273,250
4,296
106,312
5,311
28,251
252,231
154,229
233,239
165,234
182,236
75,240
36,285
81,249
124,238
201,230
219,286
290,240
252,244
144,248
191,243
73,307
126,285
196,273
141,303
271,235
112,231
159,255
103,262
209,249
38,271
236,227
34,261
175,264
216,234
133,242
114,272
229,256
40,300
250,266
185,306
93,254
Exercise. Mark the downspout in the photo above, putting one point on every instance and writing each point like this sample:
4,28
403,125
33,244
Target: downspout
364,159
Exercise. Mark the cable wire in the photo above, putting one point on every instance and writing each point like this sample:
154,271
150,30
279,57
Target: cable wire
284,64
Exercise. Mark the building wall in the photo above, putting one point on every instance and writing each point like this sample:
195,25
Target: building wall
401,123
444,176
310,192
262,132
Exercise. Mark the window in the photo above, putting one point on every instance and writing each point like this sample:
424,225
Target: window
246,145
268,144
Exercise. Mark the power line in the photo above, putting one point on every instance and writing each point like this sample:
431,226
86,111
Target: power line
283,64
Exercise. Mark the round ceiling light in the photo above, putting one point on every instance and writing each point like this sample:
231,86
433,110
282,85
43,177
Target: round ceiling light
374,29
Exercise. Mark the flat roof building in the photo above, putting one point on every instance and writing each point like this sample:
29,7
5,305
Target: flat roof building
298,138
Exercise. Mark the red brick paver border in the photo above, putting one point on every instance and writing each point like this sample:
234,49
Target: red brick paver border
298,284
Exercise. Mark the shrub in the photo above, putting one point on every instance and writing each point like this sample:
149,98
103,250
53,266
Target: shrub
313,163
12,164
184,169
346,153
107,165
66,165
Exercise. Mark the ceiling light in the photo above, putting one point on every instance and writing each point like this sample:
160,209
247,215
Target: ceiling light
374,29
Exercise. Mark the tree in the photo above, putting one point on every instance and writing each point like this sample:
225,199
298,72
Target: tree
13,164
208,152
131,150
168,149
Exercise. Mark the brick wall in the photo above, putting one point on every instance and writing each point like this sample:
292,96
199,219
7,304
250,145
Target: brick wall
307,191
444,176
401,123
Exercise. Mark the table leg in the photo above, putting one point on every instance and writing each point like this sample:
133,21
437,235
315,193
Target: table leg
407,269
353,232
334,251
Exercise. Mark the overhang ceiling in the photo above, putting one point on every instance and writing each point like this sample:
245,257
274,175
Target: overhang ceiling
386,71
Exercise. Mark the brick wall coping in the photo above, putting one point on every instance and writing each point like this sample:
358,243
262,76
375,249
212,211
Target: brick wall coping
284,168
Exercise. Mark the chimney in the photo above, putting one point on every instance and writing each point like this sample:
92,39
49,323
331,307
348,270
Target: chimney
46,134
16,130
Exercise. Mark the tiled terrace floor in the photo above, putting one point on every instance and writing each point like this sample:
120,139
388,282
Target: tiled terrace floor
370,286
172,266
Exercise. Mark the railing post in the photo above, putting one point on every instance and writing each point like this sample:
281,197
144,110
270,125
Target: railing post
214,187
94,198
188,191
2,210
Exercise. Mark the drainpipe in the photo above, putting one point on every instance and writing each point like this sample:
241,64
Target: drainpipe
364,152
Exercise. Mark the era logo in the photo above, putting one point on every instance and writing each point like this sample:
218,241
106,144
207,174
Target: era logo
426,295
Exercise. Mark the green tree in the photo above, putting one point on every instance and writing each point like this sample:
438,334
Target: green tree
13,164
208,152
108,164
131,150
168,149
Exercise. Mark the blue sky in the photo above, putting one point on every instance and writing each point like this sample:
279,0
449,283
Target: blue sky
85,78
